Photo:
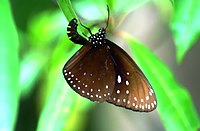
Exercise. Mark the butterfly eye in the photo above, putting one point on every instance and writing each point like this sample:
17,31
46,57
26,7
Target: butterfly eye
100,30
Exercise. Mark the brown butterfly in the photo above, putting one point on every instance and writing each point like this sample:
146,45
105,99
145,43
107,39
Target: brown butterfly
102,71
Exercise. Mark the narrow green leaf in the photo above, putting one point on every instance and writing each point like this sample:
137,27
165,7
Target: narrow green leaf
97,10
185,25
174,103
91,10
66,7
44,30
9,65
172,1
31,65
63,107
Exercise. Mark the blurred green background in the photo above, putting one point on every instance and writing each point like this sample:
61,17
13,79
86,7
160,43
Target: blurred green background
161,35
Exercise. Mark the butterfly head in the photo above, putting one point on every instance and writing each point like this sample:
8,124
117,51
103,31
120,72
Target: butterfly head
98,38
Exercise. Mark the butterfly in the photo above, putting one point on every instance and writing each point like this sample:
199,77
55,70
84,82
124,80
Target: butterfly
103,72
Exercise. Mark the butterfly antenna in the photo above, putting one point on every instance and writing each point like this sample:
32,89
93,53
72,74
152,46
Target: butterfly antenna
108,17
86,28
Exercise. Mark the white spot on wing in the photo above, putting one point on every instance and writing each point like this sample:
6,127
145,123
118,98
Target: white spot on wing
151,90
119,79
146,105
143,107
124,100
152,105
118,100
127,83
135,98
149,107
147,97
84,73
114,99
127,92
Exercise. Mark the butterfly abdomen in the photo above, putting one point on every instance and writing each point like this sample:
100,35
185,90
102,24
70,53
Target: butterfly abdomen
73,34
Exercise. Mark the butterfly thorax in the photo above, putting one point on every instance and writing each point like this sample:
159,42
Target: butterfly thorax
98,38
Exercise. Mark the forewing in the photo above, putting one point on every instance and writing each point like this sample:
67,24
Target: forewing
91,73
132,89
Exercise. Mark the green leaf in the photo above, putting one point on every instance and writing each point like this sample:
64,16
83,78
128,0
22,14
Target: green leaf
91,10
9,65
35,61
44,30
63,107
66,7
185,25
172,1
97,10
174,103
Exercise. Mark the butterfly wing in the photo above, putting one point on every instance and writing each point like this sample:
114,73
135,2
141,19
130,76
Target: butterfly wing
132,89
90,72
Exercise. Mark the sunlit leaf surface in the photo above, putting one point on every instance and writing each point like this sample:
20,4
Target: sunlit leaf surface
185,25
61,105
9,65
